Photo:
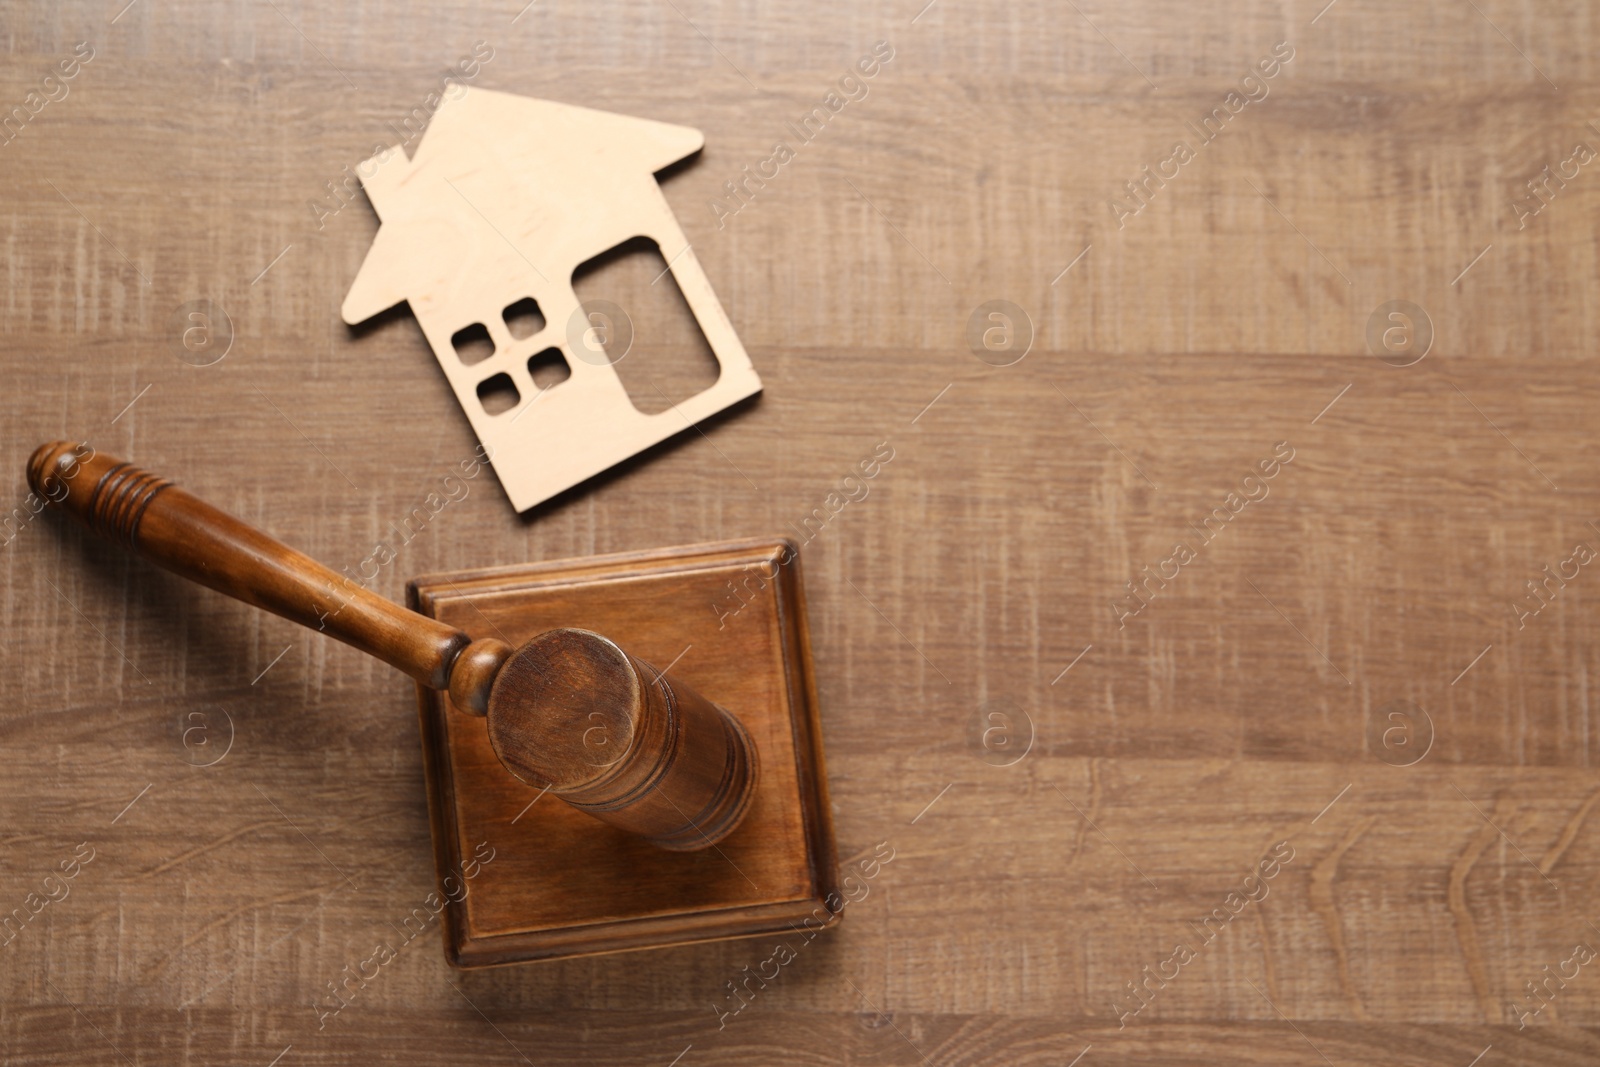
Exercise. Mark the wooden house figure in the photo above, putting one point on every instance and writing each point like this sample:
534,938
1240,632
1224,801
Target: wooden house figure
505,197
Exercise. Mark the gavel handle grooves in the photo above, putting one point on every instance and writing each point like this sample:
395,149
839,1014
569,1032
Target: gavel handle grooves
177,530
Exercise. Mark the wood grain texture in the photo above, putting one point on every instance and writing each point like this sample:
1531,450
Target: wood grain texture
758,858
1226,315
171,527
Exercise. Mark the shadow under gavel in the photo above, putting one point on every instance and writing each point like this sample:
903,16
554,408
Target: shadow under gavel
686,768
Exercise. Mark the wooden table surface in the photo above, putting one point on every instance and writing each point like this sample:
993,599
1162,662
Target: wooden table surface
1344,676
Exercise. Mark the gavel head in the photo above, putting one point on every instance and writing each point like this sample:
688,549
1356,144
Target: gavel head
572,713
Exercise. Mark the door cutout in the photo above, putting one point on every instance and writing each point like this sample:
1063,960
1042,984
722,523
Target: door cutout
669,359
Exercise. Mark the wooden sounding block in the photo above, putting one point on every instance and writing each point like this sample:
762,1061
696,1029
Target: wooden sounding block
561,886
670,830
505,198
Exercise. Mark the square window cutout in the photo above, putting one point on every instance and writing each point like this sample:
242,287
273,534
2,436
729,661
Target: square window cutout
473,343
548,369
523,319
498,394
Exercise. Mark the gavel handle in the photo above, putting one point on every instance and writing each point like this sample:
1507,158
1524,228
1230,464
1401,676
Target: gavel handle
179,531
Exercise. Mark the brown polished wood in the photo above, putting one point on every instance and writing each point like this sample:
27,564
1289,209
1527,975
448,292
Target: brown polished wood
657,756
558,887
568,712
1226,315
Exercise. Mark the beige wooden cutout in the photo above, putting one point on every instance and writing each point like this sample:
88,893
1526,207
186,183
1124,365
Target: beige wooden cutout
505,197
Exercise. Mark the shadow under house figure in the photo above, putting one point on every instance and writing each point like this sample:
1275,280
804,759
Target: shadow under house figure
505,198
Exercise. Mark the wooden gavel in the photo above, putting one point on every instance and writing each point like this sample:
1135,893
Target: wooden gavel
677,768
